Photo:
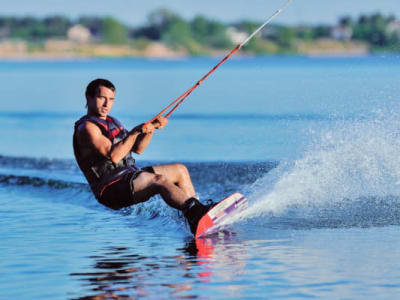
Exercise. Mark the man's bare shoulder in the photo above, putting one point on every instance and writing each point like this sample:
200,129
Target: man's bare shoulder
91,140
87,133
88,129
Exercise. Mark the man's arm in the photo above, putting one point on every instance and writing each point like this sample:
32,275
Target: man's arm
137,140
144,139
91,137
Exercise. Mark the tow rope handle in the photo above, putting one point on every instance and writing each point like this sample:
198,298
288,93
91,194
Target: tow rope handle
178,101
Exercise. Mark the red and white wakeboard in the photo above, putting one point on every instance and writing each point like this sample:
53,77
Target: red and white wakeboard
211,222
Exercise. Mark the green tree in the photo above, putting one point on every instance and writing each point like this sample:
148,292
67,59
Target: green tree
56,26
373,29
321,31
114,32
247,26
159,22
199,27
346,21
218,36
286,37
304,33
28,28
178,33
94,24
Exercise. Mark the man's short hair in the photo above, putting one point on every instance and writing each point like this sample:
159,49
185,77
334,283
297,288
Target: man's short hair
93,87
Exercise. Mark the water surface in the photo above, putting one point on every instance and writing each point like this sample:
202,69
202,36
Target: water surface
312,142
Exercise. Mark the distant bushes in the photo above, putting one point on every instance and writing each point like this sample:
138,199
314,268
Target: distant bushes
202,35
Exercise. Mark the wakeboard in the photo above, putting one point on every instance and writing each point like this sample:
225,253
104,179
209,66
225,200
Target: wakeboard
214,219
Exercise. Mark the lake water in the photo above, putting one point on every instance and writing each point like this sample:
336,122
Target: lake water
313,143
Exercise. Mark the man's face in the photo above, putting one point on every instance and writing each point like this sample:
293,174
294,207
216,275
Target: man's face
101,104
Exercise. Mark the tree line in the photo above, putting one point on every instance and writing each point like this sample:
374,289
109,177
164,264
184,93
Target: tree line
201,34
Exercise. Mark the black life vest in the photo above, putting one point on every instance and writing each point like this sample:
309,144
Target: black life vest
99,170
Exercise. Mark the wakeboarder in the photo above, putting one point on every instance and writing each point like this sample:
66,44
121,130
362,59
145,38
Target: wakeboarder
103,150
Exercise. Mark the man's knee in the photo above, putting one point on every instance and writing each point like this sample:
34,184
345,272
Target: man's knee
160,180
149,181
148,185
182,170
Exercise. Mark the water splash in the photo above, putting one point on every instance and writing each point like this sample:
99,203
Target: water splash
350,176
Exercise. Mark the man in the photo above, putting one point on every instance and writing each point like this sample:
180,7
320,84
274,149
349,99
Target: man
102,148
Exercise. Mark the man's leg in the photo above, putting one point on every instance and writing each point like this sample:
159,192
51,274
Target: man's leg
174,185
147,185
179,175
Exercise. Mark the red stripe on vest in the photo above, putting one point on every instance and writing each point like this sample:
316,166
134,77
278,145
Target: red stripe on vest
102,124
114,133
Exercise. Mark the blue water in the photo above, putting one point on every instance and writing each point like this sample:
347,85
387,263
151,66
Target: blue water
312,142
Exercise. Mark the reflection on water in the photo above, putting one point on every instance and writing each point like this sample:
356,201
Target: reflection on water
118,272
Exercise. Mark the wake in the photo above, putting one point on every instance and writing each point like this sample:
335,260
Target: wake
349,176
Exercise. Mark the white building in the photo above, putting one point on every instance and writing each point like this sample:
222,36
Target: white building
79,33
342,33
394,27
236,36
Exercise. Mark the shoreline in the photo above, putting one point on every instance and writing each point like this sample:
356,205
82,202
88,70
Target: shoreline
60,58
63,50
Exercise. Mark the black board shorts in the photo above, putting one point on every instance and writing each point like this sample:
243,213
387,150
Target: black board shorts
120,194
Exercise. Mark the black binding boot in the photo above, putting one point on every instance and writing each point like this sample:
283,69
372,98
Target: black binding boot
193,211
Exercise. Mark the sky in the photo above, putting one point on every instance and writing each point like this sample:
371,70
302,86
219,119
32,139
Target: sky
134,12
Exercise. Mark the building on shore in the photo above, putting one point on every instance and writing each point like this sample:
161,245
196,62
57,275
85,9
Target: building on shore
342,33
394,28
79,33
235,35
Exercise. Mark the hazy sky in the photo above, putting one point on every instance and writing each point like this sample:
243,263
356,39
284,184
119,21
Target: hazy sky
134,12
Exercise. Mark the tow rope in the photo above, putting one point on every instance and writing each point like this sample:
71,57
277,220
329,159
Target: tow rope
178,101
